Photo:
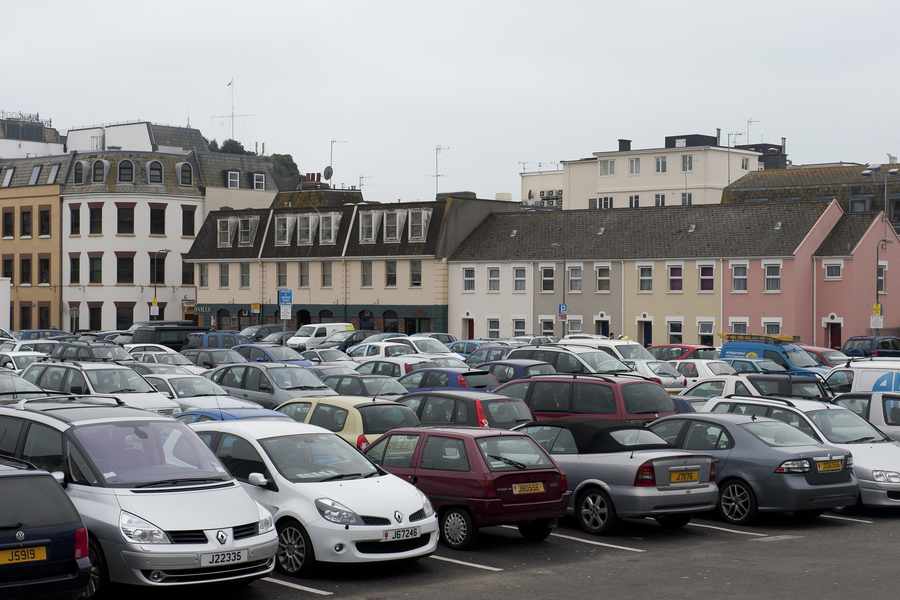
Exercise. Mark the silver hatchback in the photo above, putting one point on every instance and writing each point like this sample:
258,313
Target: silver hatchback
269,384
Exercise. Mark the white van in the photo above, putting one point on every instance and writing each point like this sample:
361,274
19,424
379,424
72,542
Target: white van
310,336
879,375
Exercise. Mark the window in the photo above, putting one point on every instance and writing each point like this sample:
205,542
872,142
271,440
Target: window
417,223
833,271
574,325
74,268
125,268
244,232
240,457
125,171
203,268
95,219
773,277
738,325
604,202
24,315
705,332
95,269
158,268
223,275
634,166
95,315
43,448
391,227
97,171
124,315
245,274
155,173
304,226
124,218
676,278
493,328
326,274
634,201
79,173
25,269
548,279
187,272
74,220
660,164
687,198
415,273
859,205
44,221
259,181
518,327
771,327
224,237
880,278
469,279
707,278
44,270
157,219
603,278
187,220
519,279
442,453
675,331
645,278
687,163
303,274
280,274
233,180
25,222
493,279
365,273
54,171
705,436
659,200
326,229
607,167
9,223
575,276
547,327
35,174
367,227
739,277
745,163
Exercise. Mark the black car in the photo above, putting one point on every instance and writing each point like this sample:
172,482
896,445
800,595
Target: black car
43,543
89,352
257,333
344,340
279,337
867,345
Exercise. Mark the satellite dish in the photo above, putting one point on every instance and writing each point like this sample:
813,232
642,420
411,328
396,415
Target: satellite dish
328,172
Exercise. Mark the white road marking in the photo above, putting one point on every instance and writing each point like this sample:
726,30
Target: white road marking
839,518
777,538
295,586
584,541
717,528
466,564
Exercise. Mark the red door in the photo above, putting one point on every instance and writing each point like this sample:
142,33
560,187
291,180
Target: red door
834,335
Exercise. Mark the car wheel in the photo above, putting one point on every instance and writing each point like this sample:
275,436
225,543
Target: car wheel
457,529
98,580
737,504
595,511
536,531
295,553
673,521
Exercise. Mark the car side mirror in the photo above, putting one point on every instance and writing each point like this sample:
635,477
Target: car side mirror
258,479
60,478
78,391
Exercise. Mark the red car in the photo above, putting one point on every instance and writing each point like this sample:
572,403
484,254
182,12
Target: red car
682,351
477,478
828,357
601,397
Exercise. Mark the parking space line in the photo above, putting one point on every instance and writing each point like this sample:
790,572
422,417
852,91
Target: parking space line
299,587
466,564
717,528
852,520
593,543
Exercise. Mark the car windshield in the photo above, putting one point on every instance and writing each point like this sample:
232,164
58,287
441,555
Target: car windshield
833,358
806,389
35,501
10,382
313,457
662,368
513,453
148,453
24,361
429,345
845,427
276,338
707,353
379,418
306,331
779,434
295,378
800,358
110,352
634,352
601,362
637,437
225,357
720,368
187,387
332,355
117,381
250,331
545,369
646,398
381,386
770,365
170,358
339,336
283,353
506,413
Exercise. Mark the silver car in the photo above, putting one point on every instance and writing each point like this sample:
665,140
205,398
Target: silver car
663,372
616,470
195,392
269,384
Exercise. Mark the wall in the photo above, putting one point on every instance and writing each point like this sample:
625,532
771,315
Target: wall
589,304
22,149
481,304
82,140
219,197
541,181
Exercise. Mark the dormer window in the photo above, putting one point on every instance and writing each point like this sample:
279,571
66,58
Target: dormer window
223,229
259,182
244,232
367,227
154,172
185,174
418,224
304,224
234,180
97,171
125,171
392,227
79,173
281,231
326,229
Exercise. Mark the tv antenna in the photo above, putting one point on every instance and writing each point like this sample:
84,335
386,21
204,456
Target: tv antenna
750,122
437,173
232,116
331,153
363,179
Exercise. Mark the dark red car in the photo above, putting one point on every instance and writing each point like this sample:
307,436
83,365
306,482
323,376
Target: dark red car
683,351
591,396
477,478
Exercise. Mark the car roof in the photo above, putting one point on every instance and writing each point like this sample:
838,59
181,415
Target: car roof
235,410
781,377
73,412
22,353
168,376
463,394
688,346
357,375
341,401
259,429
801,405
731,418
589,377
473,432
87,365
516,362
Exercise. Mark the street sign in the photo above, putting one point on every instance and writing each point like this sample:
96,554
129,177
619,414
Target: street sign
876,309
562,309
154,310
255,308
285,296
876,322
285,312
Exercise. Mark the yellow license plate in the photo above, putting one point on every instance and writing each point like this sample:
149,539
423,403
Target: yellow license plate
829,466
21,555
528,488
684,476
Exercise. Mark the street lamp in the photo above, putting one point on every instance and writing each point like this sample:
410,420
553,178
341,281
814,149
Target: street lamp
870,171
563,325
154,275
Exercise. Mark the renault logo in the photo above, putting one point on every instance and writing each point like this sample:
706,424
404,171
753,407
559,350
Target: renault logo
20,535
398,516
221,536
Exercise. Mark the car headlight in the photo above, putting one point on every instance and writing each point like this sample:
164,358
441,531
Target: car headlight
426,506
886,476
139,531
334,511
266,522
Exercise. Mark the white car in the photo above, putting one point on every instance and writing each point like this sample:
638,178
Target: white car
195,392
132,348
17,361
664,373
310,336
392,366
695,369
169,358
329,502
45,346
365,351
753,384
426,345
624,350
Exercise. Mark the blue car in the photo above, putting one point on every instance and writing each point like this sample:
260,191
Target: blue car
447,378
517,368
779,349
271,353
229,414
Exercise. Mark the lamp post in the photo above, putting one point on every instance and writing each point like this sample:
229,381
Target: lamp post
886,173
564,324
155,277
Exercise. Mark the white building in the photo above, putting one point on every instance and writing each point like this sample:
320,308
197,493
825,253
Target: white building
25,135
490,299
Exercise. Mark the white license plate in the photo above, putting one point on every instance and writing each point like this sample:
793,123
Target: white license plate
223,558
395,535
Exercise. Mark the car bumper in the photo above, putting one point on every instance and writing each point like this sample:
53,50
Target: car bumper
795,493
173,565
649,502
497,512
71,582
335,544
873,493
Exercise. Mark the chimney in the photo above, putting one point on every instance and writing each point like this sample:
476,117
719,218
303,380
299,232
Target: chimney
718,136
264,149
783,145
624,145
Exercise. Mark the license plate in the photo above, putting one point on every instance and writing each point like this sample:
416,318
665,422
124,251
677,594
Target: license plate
21,555
395,535
829,466
536,487
223,558
684,476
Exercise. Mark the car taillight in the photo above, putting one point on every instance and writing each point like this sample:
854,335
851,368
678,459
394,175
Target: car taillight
81,543
713,468
362,443
480,417
794,466
655,380
563,481
646,477
407,368
461,381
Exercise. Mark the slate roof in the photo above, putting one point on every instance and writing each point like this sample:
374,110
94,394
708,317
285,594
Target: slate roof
206,243
846,234
802,177
312,250
23,167
404,247
141,161
187,138
214,166
644,233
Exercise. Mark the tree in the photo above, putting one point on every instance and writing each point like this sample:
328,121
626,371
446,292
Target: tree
230,146
286,171
214,146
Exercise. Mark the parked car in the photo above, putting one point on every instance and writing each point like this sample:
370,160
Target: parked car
310,336
661,372
466,347
381,336
697,369
591,397
443,361
393,366
487,353
522,368
42,346
881,409
257,333
624,350
212,358
325,355
172,335
867,345
865,375
271,353
215,339
359,421
467,408
617,471
780,349
368,350
532,340
785,386
43,542
168,358
369,386
145,368
441,379
754,365
37,334
331,504
498,478
17,361
572,358
268,384
344,340
14,388
278,338
425,345
826,357
195,391
324,370
764,464
199,415
91,352
682,351
147,488
444,338
133,348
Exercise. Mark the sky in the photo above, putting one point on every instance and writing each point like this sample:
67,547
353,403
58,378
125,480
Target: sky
497,82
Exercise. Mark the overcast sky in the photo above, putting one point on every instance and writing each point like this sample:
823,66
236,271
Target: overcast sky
498,82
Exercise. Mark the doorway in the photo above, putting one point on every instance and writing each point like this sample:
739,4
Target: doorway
834,335
601,327
468,329
645,332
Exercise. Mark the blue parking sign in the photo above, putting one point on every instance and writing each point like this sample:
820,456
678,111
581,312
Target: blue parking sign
285,296
563,309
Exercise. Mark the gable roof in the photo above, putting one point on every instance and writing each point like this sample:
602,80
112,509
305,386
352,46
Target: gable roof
846,234
23,166
644,233
215,165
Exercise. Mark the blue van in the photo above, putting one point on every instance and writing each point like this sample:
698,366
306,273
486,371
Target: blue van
779,349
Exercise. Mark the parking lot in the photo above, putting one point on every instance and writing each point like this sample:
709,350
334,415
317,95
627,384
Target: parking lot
837,556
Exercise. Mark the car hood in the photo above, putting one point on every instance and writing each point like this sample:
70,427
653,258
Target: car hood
194,369
153,401
376,496
207,402
885,455
179,509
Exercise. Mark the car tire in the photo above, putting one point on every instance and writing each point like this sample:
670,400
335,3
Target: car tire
98,581
737,502
673,521
536,531
595,512
295,555
457,529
